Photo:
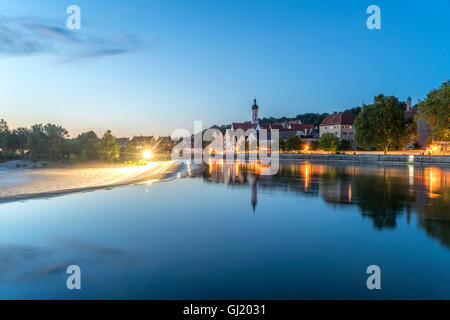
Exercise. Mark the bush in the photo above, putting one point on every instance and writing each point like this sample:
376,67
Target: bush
328,142
136,163
73,158
344,145
314,145
294,143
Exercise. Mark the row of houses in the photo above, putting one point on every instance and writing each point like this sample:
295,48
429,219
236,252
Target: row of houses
146,143
339,124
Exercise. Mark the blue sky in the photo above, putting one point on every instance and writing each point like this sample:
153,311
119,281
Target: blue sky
149,67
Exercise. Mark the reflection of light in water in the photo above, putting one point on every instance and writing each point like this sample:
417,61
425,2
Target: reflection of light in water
350,193
411,174
433,181
307,173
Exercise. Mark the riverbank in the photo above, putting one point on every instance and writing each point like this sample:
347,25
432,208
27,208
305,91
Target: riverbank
372,158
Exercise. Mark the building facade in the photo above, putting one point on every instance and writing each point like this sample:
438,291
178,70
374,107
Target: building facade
341,125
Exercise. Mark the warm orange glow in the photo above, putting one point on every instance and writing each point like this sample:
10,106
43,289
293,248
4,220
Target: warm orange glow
147,155
307,167
438,148
433,181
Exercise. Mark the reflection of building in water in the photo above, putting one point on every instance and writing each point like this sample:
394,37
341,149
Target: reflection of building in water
381,193
253,182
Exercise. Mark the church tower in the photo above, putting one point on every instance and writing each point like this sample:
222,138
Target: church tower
255,112
408,104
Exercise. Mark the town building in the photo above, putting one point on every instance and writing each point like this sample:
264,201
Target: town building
143,142
286,129
339,124
122,142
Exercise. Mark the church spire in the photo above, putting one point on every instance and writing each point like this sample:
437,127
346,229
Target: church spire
255,112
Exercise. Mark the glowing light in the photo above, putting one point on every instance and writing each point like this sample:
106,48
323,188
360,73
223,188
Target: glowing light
147,155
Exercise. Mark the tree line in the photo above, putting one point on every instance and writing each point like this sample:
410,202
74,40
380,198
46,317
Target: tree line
52,143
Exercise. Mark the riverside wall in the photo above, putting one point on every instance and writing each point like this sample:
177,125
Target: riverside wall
372,158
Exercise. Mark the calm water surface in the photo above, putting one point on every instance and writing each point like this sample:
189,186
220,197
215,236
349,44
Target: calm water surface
229,233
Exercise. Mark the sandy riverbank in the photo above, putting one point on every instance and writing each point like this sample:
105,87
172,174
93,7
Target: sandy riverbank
16,183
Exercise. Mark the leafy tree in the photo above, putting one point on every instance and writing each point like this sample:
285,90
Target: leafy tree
354,110
37,142
312,118
314,145
435,109
344,145
109,149
328,142
294,143
4,134
87,146
56,141
383,125
18,140
282,144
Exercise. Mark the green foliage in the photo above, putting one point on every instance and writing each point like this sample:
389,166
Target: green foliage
435,109
354,110
87,146
328,142
136,163
314,145
73,158
294,144
109,149
306,118
312,118
18,140
382,126
282,144
56,141
4,133
37,142
344,145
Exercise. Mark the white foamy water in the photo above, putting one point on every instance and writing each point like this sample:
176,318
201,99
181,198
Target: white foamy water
27,182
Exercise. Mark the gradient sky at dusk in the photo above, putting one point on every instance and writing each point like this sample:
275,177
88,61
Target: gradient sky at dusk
149,67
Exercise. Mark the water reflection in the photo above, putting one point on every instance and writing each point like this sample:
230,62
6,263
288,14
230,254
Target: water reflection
382,193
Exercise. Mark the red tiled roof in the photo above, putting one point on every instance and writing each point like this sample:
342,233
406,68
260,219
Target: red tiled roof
339,118
277,126
302,127
243,126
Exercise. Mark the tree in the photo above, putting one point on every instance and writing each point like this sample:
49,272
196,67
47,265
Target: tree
282,144
56,141
294,143
87,146
4,134
435,109
37,142
312,118
328,142
109,149
344,145
18,140
383,125
354,110
314,145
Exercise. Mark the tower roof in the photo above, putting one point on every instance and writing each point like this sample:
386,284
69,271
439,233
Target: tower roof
255,106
